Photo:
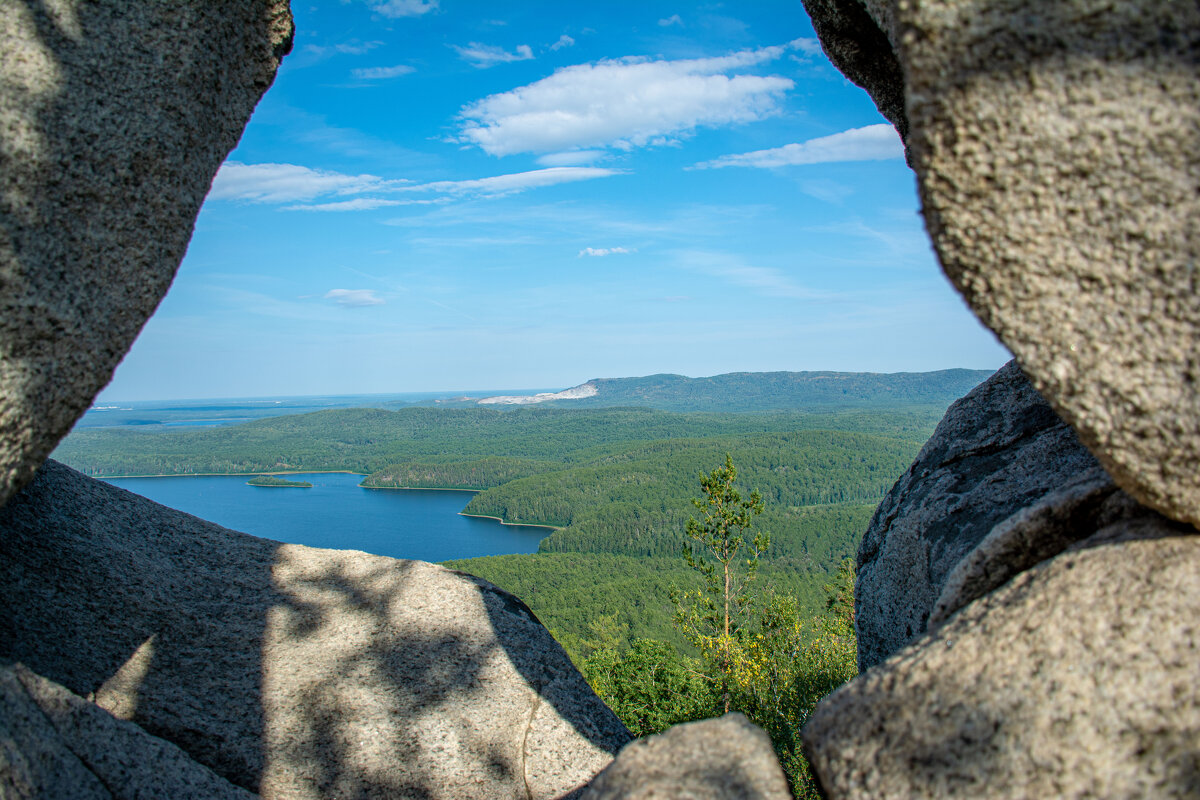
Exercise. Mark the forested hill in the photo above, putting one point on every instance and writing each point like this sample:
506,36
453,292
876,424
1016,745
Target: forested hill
498,445
766,391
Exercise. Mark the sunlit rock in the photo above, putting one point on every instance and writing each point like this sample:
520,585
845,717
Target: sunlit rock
114,117
292,671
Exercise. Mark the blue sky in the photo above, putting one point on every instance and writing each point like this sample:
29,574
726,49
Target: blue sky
477,195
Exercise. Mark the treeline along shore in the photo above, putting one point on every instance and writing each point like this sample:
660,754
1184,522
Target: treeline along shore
605,482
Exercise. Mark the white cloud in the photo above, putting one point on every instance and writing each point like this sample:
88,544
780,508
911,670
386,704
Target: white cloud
354,298
872,143
402,8
288,183
571,158
486,55
563,41
515,182
625,103
284,183
671,20
383,73
605,251
357,204
353,48
809,47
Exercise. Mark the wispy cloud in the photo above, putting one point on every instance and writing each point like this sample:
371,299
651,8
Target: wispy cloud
354,298
906,244
286,183
353,47
671,20
827,191
402,8
571,158
486,55
517,181
626,103
292,184
360,204
605,251
383,73
872,143
730,268
563,41
809,47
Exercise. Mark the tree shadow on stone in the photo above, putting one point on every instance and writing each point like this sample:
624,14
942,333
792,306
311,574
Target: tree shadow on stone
289,669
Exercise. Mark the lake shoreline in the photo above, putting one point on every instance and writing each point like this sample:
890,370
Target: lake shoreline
501,520
338,514
237,474
422,488
513,524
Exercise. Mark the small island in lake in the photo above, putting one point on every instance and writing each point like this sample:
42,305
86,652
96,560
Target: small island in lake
272,480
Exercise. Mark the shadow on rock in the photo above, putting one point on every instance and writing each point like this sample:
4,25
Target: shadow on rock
288,670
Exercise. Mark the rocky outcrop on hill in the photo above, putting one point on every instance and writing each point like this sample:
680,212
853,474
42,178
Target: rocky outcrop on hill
1058,160
998,450
1076,679
287,670
114,118
54,744
728,758
143,652
1030,623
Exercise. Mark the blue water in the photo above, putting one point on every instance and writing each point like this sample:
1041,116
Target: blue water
337,513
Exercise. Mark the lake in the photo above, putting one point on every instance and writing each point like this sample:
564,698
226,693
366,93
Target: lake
337,513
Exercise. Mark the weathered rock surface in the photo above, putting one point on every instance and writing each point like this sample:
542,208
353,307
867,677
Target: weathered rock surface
114,117
1032,535
55,744
997,450
718,759
288,670
1076,679
1057,148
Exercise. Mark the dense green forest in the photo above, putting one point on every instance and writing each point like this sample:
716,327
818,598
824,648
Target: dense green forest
570,590
366,440
635,502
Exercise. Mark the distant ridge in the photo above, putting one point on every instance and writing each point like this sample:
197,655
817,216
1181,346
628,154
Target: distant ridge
762,391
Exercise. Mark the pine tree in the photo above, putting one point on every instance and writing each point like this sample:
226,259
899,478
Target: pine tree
712,617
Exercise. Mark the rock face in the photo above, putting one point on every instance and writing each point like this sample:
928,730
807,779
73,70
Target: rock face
1037,621
229,664
1077,679
55,744
718,759
1057,149
997,450
287,670
113,121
